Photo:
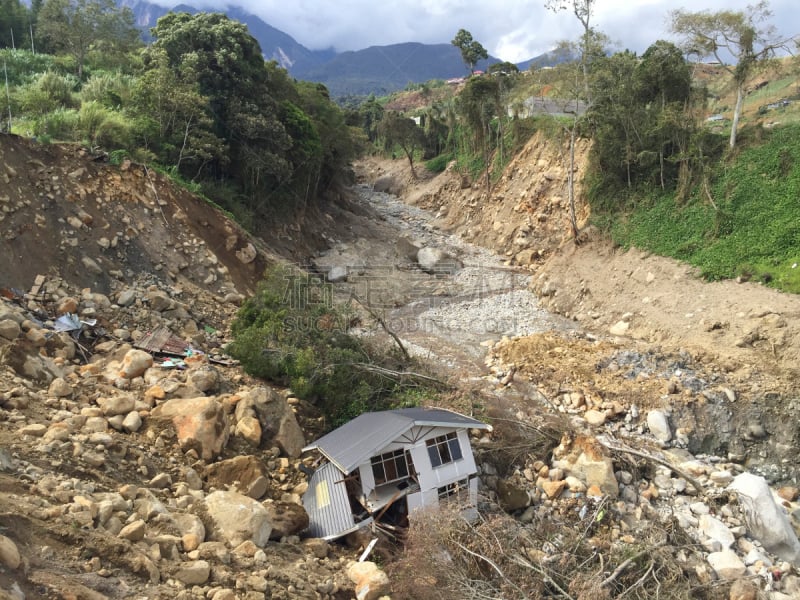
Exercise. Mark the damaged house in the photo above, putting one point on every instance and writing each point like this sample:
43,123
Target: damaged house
384,465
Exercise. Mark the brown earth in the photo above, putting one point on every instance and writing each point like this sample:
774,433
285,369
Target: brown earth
83,224
741,339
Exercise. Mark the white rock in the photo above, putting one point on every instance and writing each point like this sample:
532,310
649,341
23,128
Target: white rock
765,520
717,531
727,564
659,425
619,328
595,418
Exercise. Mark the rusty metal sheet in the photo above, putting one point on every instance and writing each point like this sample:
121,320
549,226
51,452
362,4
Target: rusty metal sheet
162,341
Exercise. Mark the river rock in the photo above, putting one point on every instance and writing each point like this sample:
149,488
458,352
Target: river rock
765,520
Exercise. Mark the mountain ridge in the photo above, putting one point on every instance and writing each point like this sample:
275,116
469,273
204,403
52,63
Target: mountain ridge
376,69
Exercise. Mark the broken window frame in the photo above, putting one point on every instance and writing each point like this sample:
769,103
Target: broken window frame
397,461
457,491
444,449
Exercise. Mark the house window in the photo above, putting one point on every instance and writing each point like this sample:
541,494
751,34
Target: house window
456,491
444,449
389,467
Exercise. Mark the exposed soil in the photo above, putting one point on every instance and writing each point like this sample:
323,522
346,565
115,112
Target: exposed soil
629,331
742,338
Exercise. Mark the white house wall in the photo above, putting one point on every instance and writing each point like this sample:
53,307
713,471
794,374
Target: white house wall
430,478
433,478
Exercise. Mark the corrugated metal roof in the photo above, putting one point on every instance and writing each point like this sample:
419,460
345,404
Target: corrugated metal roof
327,505
354,442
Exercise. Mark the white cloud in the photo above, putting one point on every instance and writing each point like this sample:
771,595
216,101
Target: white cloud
508,29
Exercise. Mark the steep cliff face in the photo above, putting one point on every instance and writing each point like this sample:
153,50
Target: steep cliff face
525,215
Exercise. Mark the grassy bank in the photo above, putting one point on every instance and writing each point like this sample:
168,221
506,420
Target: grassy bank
747,225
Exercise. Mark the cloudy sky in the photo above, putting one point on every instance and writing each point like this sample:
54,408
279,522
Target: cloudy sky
512,30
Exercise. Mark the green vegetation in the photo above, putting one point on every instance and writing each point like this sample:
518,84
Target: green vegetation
751,230
291,332
199,102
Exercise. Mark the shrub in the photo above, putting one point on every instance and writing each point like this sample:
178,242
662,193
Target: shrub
291,333
61,124
92,116
439,163
113,132
111,90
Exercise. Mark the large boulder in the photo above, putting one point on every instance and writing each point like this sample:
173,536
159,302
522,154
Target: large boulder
277,419
387,184
765,519
236,519
201,423
287,518
436,261
586,459
242,473
25,360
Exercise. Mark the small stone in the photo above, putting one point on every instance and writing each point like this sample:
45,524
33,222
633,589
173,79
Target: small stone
193,573
59,388
721,478
9,553
743,589
659,425
727,564
34,430
9,329
132,422
553,489
161,481
595,418
789,493
134,531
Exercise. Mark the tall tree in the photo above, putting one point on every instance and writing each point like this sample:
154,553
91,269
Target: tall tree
78,26
743,35
400,130
173,117
583,11
479,104
14,22
664,87
471,50
231,73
